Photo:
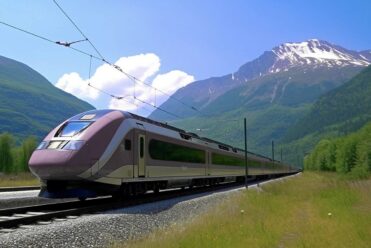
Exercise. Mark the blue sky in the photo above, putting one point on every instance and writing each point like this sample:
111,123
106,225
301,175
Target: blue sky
196,39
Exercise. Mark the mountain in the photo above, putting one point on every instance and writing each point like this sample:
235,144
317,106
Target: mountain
273,92
308,56
29,103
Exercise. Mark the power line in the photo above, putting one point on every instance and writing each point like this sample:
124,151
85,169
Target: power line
116,97
68,45
65,14
27,32
123,98
177,116
133,78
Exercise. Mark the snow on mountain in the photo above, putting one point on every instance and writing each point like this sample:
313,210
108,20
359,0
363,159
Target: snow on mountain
315,52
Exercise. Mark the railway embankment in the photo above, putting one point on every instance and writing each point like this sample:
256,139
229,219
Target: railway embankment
309,210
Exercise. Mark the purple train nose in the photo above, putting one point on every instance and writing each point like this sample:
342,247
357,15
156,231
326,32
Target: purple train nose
52,164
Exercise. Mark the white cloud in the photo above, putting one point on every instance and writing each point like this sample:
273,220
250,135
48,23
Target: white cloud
74,84
108,79
170,82
124,105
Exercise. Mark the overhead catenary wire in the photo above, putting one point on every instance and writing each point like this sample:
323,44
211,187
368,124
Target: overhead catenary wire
66,15
121,98
94,57
27,32
163,110
135,79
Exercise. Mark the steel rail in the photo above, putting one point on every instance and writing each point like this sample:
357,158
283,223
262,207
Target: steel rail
21,188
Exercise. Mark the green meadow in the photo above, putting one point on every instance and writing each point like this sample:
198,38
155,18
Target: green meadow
314,209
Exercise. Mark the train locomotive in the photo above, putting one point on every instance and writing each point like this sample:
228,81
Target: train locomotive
113,152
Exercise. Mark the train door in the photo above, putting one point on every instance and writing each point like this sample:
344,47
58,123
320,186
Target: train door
141,155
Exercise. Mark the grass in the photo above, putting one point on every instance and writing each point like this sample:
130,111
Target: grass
21,179
310,210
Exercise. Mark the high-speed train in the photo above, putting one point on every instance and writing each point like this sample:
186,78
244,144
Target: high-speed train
112,152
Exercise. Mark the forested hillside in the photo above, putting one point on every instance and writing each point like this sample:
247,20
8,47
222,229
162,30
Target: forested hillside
347,154
346,108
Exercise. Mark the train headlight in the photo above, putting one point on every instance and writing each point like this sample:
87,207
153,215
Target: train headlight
42,145
74,145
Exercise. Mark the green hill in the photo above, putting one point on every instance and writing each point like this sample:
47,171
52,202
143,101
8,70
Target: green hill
29,103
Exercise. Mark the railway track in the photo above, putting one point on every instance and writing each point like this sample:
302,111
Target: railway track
14,189
45,213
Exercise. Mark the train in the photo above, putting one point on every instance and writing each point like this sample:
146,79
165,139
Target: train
114,152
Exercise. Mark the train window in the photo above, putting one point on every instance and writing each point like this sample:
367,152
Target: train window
72,128
141,147
127,144
161,150
227,160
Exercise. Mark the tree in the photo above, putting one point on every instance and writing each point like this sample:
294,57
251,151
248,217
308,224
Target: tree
6,159
28,146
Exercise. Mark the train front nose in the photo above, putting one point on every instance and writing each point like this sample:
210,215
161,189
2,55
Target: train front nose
57,160
51,164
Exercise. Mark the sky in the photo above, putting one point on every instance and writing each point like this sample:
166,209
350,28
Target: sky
166,43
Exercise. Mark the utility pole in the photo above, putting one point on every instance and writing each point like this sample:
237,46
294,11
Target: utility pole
246,169
281,155
273,151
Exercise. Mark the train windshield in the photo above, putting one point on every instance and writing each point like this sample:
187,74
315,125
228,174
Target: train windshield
73,128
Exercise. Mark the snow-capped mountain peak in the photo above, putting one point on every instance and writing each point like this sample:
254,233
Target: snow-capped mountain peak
316,53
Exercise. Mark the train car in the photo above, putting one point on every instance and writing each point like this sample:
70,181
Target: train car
112,152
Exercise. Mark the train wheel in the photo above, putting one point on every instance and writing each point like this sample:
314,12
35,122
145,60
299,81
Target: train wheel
156,188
